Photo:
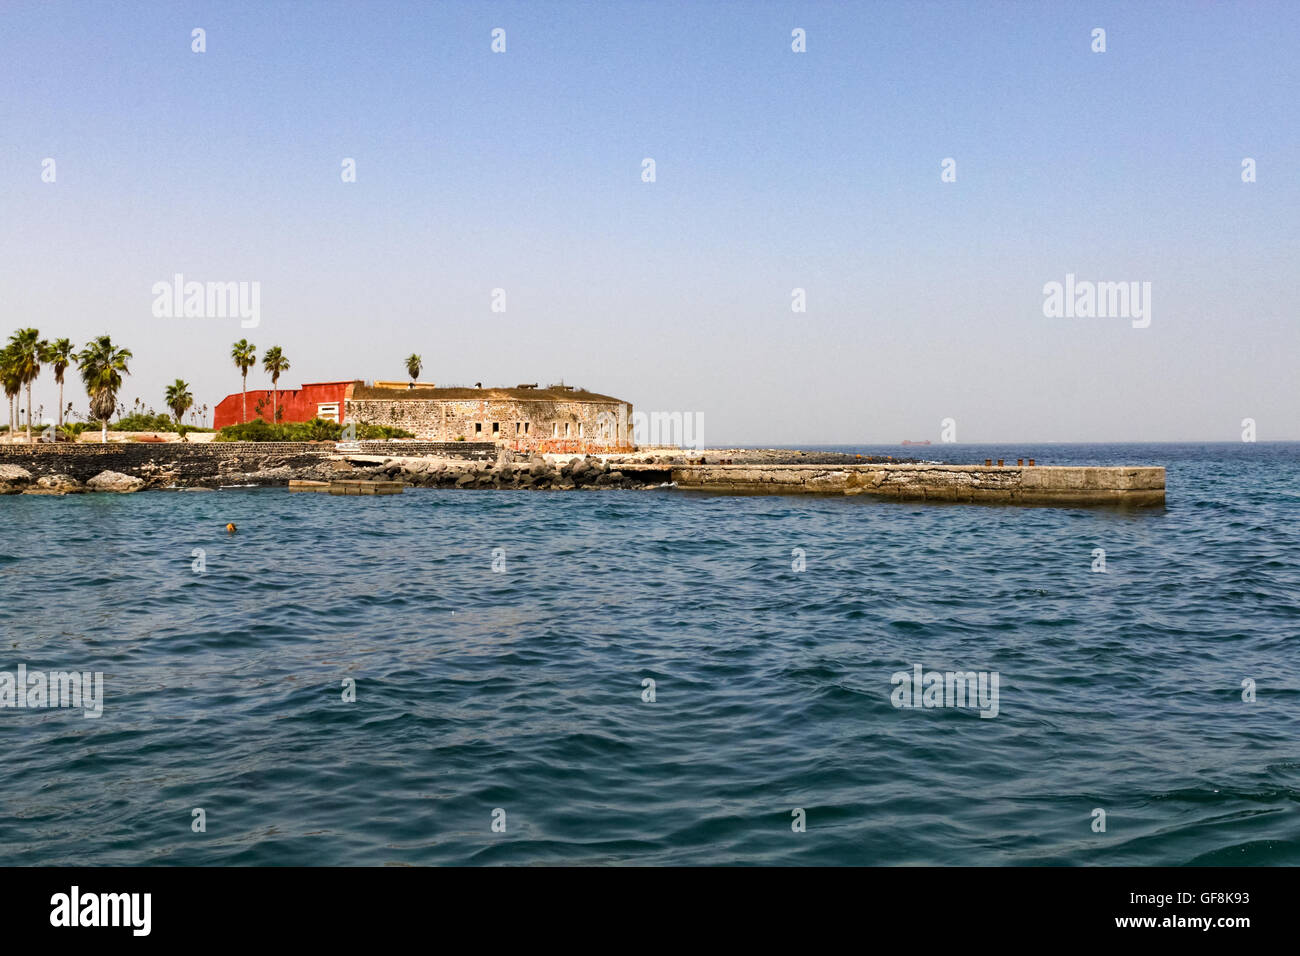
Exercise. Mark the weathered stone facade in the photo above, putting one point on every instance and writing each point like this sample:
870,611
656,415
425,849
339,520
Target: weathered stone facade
523,419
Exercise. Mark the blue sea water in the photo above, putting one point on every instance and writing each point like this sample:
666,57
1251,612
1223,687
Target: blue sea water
521,690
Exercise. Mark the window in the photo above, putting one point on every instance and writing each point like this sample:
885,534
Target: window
579,429
496,428
526,427
519,428
566,429
328,411
555,429
478,428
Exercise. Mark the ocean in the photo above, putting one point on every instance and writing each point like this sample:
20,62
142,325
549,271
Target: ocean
653,677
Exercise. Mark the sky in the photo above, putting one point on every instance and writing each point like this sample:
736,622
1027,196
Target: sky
774,170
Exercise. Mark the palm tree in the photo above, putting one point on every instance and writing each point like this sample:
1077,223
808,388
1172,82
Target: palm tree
413,363
275,363
13,383
59,355
28,347
102,365
245,358
179,399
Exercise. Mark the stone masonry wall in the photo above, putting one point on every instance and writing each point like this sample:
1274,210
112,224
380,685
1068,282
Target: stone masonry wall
187,461
521,425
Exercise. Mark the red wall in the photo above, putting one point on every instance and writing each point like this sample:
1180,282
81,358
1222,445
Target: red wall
295,405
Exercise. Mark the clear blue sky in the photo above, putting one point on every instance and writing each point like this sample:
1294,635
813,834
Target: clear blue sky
775,170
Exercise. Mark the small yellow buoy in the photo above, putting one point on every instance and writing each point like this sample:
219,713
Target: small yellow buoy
231,527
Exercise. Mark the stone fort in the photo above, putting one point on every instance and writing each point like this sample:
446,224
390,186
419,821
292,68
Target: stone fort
558,418
555,418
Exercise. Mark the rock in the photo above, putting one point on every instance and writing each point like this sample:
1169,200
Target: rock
13,479
59,484
278,474
464,480
114,481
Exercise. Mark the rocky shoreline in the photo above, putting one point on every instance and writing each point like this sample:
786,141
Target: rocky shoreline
508,471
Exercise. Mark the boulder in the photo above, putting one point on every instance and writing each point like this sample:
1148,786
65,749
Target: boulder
13,479
59,484
114,481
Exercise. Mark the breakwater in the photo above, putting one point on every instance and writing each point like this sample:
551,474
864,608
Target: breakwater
993,484
57,469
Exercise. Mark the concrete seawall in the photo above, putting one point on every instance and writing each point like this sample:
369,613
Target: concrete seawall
1037,485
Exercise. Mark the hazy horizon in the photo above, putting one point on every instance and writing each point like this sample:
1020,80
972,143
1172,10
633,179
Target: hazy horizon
774,171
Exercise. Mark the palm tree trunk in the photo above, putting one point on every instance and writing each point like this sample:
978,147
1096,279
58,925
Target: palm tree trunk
60,404
29,411
245,396
103,430
275,402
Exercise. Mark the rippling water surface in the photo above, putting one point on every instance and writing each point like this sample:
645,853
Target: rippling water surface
522,690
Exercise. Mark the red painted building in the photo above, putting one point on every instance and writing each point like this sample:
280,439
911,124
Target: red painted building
326,400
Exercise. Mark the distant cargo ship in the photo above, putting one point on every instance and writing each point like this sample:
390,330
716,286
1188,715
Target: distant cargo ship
926,442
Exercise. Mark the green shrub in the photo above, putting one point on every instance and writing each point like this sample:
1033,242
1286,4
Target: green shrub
318,429
145,422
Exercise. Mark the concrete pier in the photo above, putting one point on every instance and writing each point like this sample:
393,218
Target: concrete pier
1068,485
349,487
